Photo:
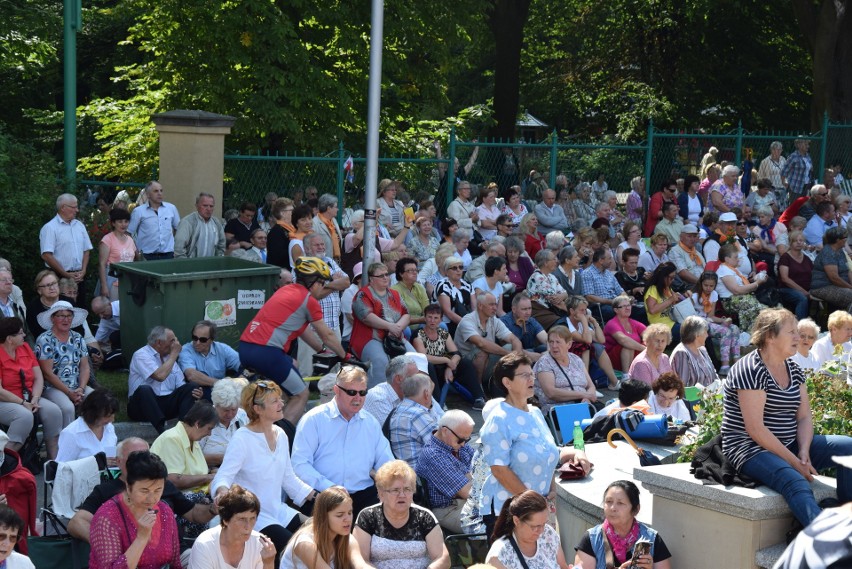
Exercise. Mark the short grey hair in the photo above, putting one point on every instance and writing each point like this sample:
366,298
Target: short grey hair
227,392
566,254
809,323
325,202
204,195
513,243
494,246
414,385
482,296
609,194
635,183
815,189
64,199
555,240
731,170
397,367
156,334
150,184
309,239
543,256
129,441
455,418
692,327
461,234
776,145
764,210
5,263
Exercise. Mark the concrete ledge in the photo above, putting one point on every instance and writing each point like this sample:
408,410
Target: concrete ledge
674,481
765,558
142,430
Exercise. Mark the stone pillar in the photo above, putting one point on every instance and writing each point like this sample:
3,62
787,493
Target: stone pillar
192,151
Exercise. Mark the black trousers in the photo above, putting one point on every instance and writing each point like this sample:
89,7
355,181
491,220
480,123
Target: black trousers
144,405
465,376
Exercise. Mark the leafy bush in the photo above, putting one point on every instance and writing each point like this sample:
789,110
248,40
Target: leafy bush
28,192
831,408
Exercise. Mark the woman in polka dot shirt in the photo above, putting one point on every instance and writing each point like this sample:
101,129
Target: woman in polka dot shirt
516,443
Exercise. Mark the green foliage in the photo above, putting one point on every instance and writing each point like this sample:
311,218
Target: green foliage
831,408
28,193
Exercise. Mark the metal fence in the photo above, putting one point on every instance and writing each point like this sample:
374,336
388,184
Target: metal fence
663,154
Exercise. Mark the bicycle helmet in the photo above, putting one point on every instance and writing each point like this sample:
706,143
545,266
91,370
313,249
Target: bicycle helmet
312,267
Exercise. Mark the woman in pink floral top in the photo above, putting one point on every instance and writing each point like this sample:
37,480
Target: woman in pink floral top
725,193
134,529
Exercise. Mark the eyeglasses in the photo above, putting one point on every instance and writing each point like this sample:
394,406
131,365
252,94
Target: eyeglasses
49,285
383,275
459,440
400,491
262,384
455,268
63,316
528,375
7,281
352,392
410,271
536,528
12,537
201,339
623,306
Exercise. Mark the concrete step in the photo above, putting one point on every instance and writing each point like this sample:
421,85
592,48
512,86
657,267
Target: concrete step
765,558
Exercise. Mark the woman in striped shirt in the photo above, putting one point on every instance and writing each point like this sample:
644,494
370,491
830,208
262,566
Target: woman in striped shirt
767,430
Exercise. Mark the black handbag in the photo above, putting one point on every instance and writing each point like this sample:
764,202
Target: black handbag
394,346
57,551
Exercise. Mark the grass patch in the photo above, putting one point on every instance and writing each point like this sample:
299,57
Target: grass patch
116,382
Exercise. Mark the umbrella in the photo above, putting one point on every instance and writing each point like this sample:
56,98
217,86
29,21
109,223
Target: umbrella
645,457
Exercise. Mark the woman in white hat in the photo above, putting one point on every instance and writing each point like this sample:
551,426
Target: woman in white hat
63,357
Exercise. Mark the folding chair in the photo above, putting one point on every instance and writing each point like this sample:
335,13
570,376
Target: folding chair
50,469
467,549
561,418
692,397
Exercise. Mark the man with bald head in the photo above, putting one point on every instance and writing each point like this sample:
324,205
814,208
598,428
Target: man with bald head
551,216
81,522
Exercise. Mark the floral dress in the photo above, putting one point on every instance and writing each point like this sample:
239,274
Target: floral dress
540,286
731,197
423,252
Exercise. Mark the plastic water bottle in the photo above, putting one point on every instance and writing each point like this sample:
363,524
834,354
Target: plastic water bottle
578,436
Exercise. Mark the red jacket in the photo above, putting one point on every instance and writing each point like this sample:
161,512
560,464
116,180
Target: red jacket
362,333
19,487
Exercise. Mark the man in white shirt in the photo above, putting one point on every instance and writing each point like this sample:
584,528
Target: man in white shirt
156,387
65,243
337,444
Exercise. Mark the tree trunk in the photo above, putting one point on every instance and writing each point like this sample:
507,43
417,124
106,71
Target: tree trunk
507,20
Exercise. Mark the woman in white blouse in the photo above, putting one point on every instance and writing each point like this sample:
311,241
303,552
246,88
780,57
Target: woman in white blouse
258,459
92,432
488,212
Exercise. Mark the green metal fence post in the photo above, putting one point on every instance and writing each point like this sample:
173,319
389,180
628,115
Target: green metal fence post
649,152
823,149
738,152
554,149
340,182
451,167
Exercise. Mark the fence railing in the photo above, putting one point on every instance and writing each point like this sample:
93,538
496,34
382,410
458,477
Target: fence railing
663,154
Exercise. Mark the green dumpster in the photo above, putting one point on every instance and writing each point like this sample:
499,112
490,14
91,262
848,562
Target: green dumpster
177,293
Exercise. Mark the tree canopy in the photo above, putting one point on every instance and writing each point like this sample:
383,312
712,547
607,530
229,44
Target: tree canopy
295,72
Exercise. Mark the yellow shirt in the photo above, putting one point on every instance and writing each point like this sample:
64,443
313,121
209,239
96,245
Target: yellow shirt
658,318
173,448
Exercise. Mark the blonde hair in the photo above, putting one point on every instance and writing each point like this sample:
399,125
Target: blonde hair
656,330
768,325
839,318
394,470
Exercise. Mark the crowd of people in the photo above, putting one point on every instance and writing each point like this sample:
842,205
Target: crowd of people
520,293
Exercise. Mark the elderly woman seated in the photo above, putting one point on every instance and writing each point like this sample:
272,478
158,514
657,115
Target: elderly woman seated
547,294
666,397
690,360
561,376
652,362
395,532
808,334
834,346
226,401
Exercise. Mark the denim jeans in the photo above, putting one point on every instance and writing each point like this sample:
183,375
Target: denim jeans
776,473
798,301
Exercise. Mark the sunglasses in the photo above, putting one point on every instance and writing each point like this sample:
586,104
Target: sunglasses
742,223
455,268
352,392
202,339
460,440
383,275
262,384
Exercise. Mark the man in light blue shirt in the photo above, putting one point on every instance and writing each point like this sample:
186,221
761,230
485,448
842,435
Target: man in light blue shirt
336,444
819,224
205,361
154,224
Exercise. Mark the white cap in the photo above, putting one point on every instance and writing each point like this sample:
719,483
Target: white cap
728,216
